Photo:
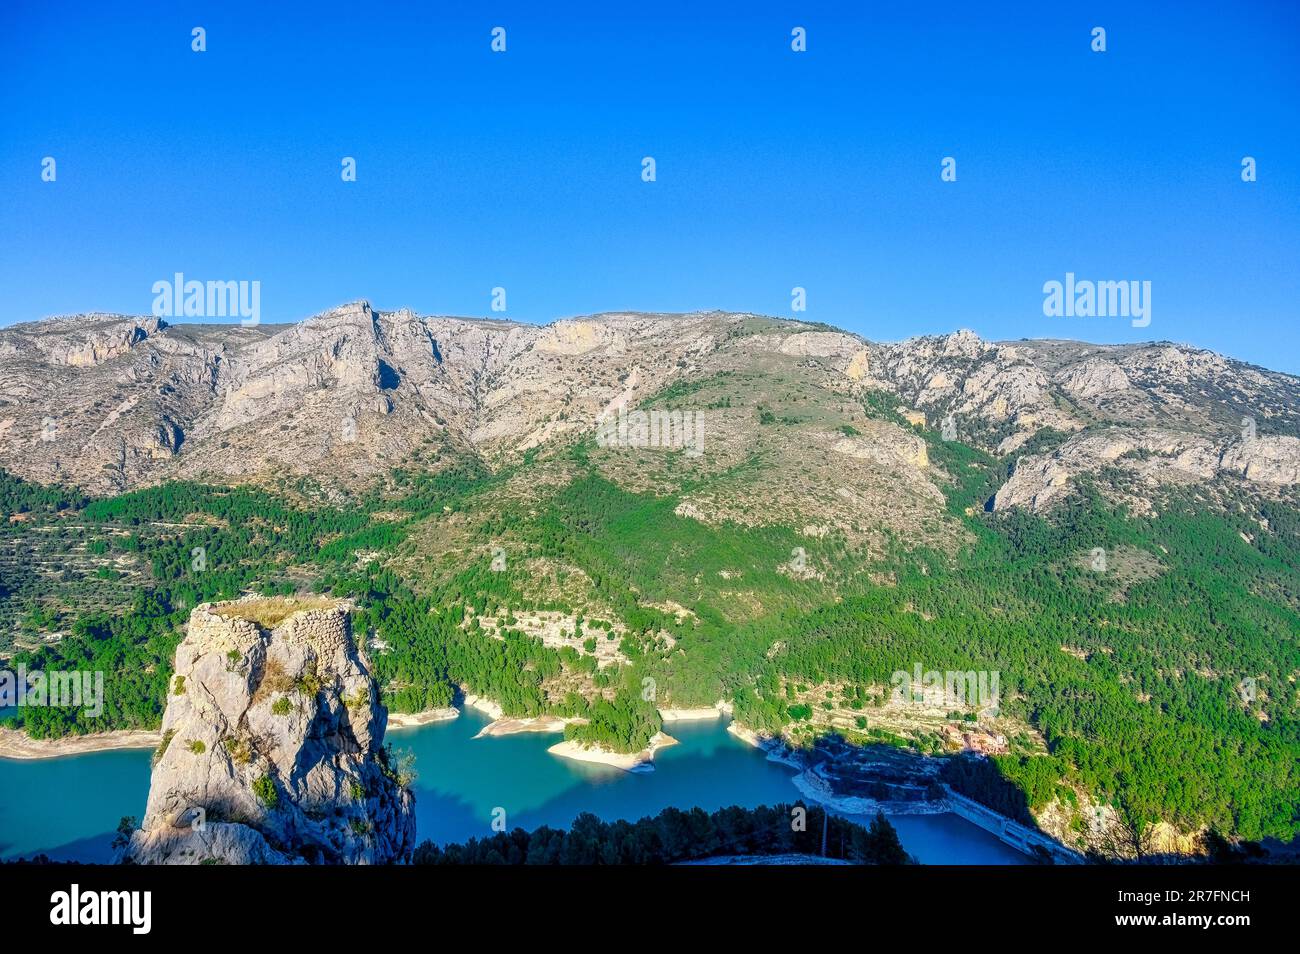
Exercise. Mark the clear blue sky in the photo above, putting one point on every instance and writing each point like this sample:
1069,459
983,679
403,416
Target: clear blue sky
775,169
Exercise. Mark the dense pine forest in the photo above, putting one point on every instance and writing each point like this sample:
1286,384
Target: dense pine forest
674,836
1134,683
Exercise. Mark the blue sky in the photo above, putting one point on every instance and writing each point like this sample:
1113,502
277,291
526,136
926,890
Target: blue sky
775,169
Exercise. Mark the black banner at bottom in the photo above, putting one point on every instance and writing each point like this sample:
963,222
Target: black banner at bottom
133,905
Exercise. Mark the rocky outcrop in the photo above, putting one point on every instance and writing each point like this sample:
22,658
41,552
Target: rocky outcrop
1094,379
1264,460
995,394
888,446
573,337
1155,456
272,748
81,341
821,344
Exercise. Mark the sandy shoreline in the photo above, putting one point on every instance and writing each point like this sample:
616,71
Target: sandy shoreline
855,808
775,747
410,720
749,736
500,724
486,706
18,745
690,715
642,761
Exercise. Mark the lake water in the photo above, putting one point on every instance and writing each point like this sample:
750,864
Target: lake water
69,807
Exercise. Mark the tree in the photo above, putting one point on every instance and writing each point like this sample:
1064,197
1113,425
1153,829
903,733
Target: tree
125,829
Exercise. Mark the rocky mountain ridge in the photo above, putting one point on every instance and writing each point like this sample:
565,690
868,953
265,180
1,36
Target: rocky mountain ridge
109,403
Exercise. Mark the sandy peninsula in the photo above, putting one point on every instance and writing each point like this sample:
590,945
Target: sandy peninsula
543,723
18,745
642,761
410,720
690,715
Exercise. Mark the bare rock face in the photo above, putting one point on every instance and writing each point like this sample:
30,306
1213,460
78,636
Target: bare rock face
1265,460
85,340
888,446
272,746
1093,379
821,344
104,402
573,337
1157,456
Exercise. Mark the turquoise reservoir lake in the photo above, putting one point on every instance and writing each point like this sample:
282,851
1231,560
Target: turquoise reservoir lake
68,807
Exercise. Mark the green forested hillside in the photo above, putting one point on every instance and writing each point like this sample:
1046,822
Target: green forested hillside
1133,677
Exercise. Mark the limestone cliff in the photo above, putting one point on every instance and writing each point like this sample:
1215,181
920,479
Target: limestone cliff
272,747
1156,456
